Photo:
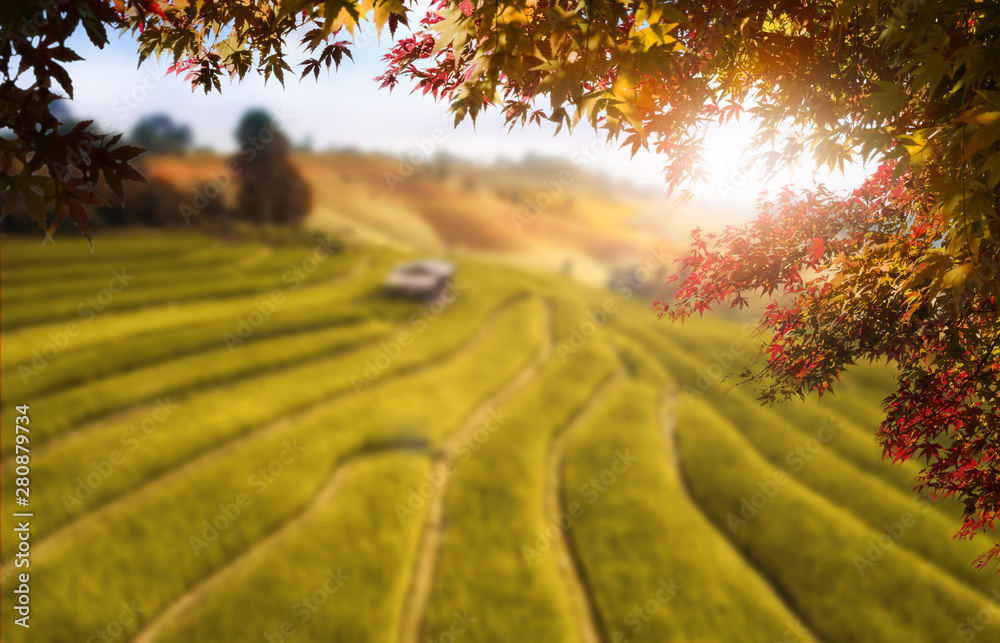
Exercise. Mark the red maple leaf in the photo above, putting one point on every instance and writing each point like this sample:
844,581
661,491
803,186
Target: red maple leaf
817,249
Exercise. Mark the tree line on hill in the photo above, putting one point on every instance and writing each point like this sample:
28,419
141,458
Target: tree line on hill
268,187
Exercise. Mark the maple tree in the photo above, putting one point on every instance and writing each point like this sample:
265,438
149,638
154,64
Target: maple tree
903,269
50,170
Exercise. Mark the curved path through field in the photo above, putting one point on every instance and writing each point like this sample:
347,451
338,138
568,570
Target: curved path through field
157,481
428,551
591,626
668,425
218,578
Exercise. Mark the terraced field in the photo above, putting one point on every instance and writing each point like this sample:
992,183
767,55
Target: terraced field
237,442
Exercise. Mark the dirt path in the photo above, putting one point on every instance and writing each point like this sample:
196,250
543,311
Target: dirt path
150,486
193,597
219,577
668,423
141,408
429,549
591,626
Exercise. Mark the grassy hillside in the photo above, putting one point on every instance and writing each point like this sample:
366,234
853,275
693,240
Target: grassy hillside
242,441
542,214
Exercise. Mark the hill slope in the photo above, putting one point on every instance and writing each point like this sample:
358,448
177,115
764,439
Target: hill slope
235,442
547,214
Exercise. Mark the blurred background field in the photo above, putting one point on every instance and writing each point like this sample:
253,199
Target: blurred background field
238,435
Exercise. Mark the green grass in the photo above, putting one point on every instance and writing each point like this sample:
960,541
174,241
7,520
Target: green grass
807,546
80,299
70,250
159,332
194,255
864,495
99,329
496,504
170,513
854,443
637,359
208,418
90,281
59,413
354,536
867,487
82,306
722,598
323,371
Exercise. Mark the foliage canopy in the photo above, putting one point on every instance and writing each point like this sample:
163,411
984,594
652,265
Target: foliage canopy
903,269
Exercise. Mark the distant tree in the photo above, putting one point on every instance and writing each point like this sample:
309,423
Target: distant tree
48,171
160,135
271,189
155,203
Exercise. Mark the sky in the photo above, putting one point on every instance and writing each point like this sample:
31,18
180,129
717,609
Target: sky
347,109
